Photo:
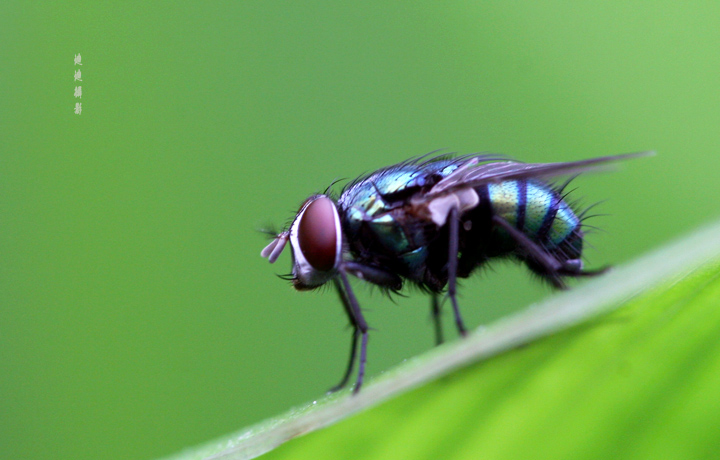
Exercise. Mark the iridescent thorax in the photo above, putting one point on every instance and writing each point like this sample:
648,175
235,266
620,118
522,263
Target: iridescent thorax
379,201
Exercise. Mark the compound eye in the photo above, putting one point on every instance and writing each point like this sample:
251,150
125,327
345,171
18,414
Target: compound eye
317,234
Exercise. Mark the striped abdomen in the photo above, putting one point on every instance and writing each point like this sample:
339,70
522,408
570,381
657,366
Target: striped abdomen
538,211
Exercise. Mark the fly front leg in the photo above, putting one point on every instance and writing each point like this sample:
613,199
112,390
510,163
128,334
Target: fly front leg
453,253
355,337
361,328
374,275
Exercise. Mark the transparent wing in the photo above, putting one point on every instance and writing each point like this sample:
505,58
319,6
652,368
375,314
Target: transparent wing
472,174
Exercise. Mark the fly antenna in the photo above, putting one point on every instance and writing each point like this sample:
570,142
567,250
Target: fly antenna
273,250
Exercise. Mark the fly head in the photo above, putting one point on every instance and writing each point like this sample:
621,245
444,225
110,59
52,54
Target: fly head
315,237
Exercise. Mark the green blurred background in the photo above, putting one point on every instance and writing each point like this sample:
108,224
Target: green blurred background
136,316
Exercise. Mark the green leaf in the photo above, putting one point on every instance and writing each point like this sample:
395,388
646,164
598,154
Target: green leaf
625,366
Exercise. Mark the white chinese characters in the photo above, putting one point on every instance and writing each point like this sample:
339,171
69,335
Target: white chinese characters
78,89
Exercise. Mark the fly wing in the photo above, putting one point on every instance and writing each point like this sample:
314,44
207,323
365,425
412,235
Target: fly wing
457,191
469,175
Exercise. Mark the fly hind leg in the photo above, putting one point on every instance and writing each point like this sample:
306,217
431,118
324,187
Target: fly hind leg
544,263
574,268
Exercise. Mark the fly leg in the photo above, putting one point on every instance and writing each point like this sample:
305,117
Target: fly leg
352,308
454,223
374,275
437,319
354,341
553,268
596,272
361,328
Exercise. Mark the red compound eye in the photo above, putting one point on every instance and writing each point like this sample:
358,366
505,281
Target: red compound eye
317,234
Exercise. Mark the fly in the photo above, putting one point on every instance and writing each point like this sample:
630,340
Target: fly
430,222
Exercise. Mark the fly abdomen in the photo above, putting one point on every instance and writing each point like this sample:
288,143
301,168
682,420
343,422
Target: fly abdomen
539,212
